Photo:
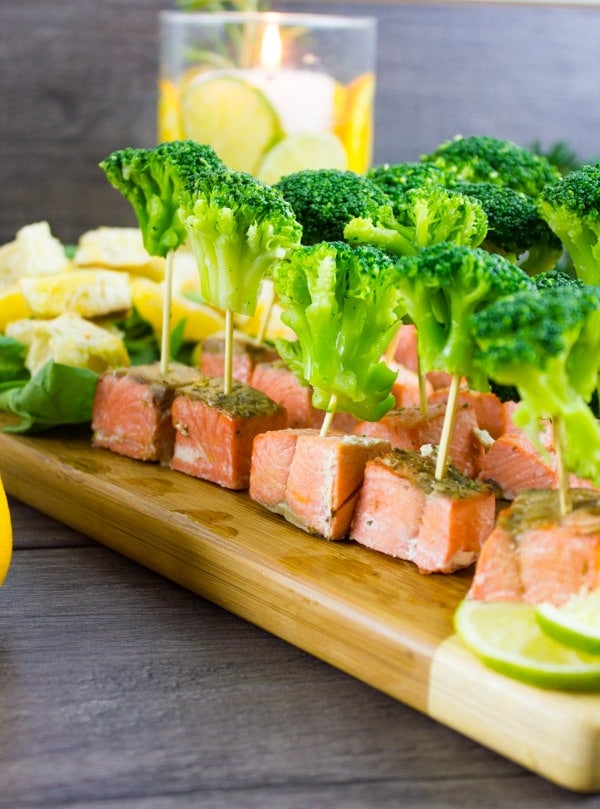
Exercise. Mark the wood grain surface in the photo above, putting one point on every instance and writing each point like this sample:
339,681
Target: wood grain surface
372,617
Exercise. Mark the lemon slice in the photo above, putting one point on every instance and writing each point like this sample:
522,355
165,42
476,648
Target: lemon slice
303,150
576,623
355,121
507,637
169,111
233,117
201,320
13,306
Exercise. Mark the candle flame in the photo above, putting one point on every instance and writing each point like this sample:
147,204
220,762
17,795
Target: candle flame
271,47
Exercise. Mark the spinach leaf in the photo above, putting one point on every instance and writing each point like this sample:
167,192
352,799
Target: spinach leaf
57,394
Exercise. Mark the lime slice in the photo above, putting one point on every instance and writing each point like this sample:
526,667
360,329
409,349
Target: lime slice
233,117
507,637
303,150
576,623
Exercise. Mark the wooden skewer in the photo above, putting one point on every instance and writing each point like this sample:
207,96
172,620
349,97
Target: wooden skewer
564,494
228,371
165,342
447,427
329,414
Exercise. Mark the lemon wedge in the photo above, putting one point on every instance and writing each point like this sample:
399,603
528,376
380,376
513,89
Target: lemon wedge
507,637
233,117
303,150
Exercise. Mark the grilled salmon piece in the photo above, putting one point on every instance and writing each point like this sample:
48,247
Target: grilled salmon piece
404,512
536,555
214,431
406,354
244,359
279,383
311,480
405,389
131,412
490,411
513,464
408,428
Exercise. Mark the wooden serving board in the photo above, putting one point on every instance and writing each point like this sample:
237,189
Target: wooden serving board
373,617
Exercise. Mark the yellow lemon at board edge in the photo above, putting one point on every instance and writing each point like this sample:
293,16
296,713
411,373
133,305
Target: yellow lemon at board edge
508,638
355,121
169,111
13,306
5,535
304,150
233,117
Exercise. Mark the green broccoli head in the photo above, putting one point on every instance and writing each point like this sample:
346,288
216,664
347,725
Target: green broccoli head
555,278
395,179
324,200
571,207
157,182
546,342
481,158
443,285
515,228
423,216
344,305
238,229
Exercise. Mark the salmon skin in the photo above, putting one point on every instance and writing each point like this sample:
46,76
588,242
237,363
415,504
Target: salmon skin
408,428
245,357
404,512
214,431
279,383
535,555
311,480
131,412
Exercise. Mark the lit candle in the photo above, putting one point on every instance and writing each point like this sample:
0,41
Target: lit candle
303,99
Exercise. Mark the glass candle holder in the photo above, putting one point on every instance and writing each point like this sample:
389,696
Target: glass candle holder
271,92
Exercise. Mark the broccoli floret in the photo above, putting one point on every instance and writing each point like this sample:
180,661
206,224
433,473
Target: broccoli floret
344,305
515,228
395,179
154,181
556,278
546,342
424,216
238,228
324,200
443,286
571,207
481,158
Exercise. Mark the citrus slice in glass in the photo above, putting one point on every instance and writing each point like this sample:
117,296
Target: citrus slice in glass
576,623
507,637
169,111
355,121
302,150
233,117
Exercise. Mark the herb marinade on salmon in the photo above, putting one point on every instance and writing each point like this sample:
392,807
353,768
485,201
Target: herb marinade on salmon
535,554
439,525
214,430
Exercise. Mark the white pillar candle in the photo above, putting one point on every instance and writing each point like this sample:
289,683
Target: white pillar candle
303,99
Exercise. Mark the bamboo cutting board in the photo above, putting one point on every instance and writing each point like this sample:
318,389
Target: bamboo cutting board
373,617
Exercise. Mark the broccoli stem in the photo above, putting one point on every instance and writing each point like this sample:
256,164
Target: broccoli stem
165,341
448,426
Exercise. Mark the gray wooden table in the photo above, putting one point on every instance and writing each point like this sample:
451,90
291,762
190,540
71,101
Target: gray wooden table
120,689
